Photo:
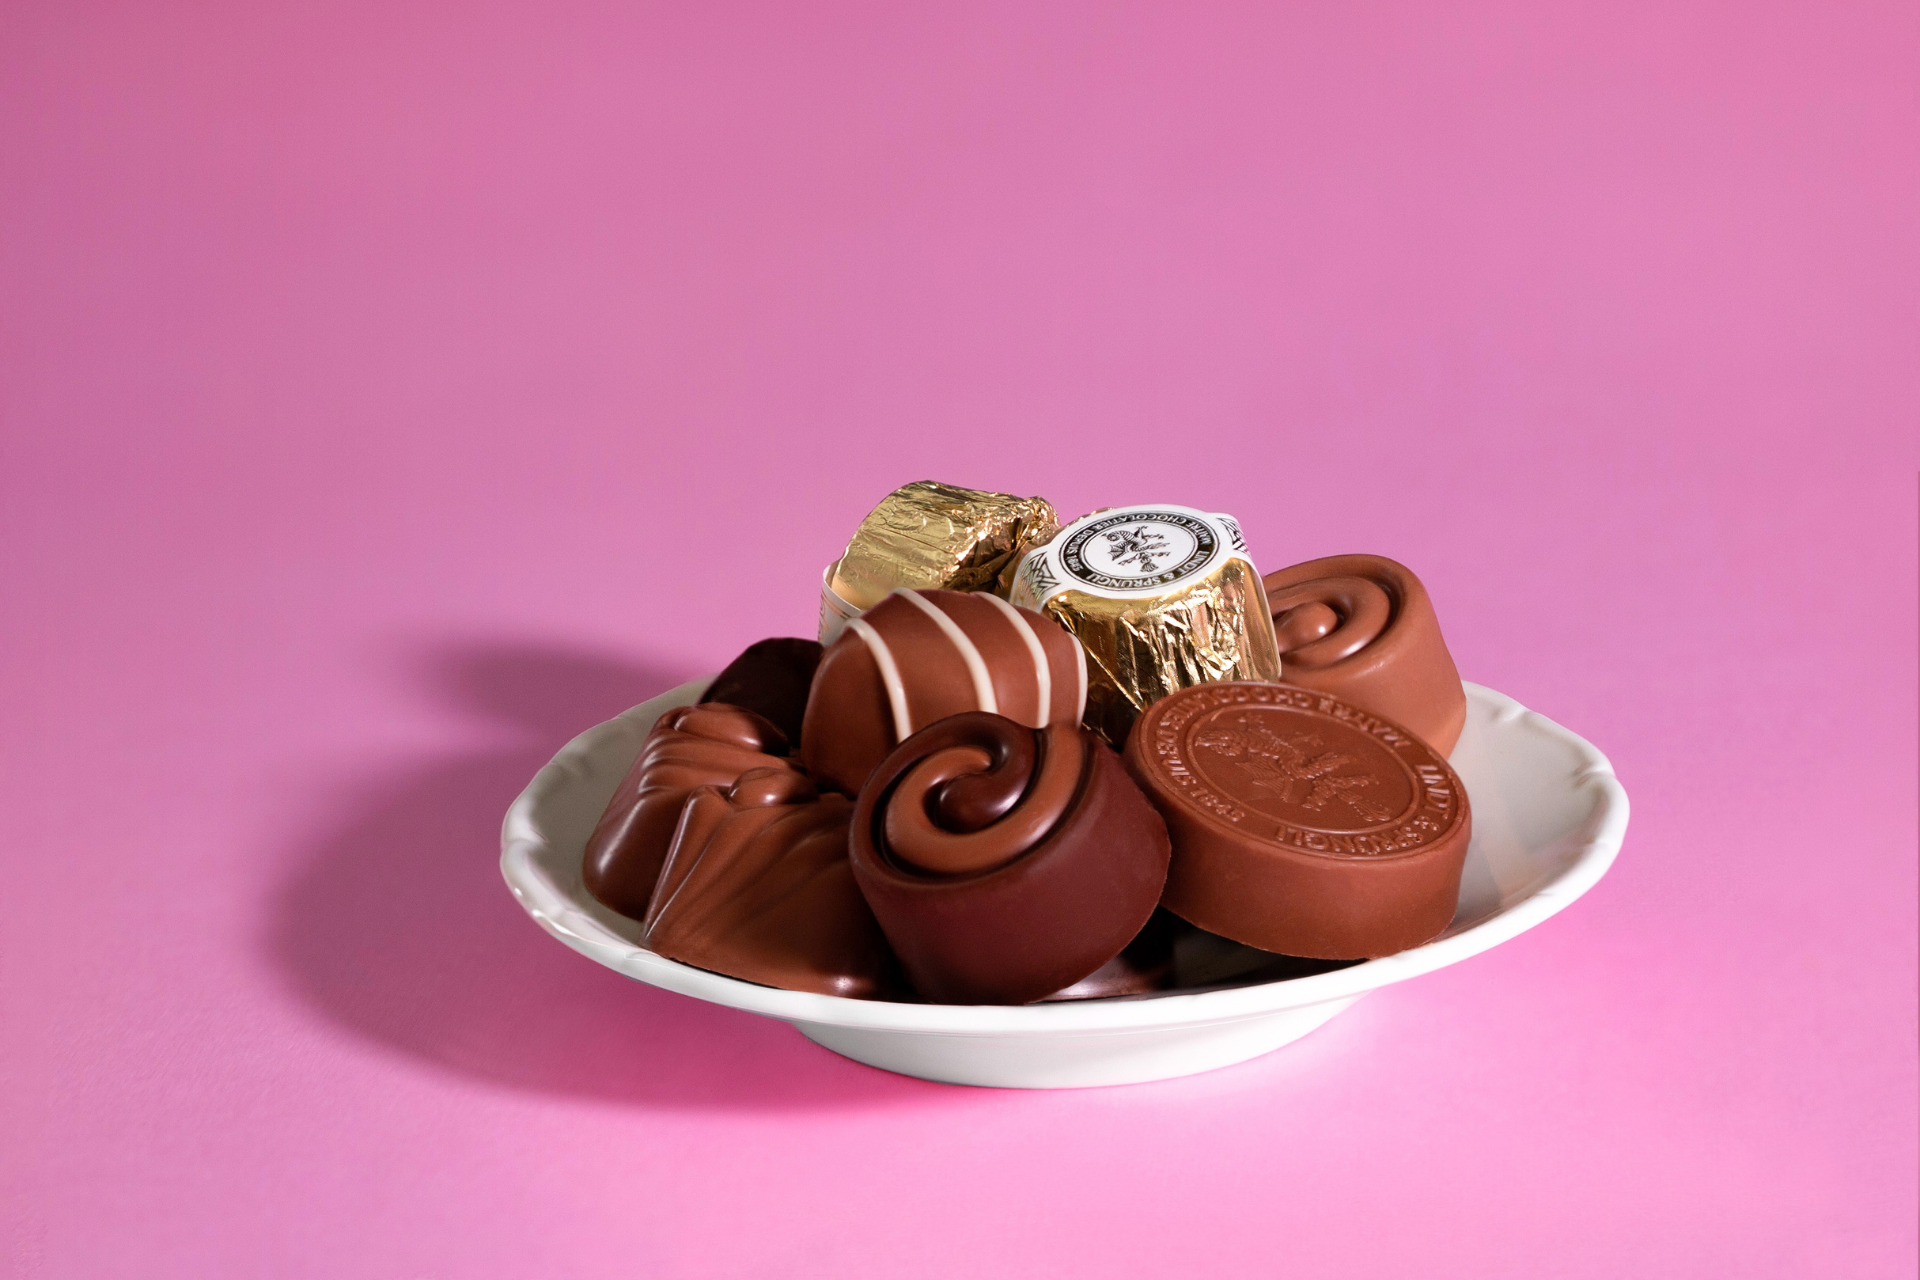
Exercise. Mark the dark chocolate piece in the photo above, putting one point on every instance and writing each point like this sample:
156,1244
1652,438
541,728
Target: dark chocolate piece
1143,966
707,745
1005,863
771,678
1204,960
757,886
1302,824
1362,629
920,656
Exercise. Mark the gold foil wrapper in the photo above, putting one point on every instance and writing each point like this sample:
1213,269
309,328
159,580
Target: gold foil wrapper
927,535
1211,624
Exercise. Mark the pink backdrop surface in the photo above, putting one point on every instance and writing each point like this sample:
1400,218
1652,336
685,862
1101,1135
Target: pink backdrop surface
392,390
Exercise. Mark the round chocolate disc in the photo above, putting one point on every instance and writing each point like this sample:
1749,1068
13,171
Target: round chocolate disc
1300,823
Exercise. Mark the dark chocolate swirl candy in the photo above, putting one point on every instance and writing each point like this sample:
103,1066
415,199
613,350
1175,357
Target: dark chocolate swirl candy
707,745
1362,629
1006,863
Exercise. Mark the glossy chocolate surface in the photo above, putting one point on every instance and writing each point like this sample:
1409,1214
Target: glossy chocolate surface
1004,863
711,744
757,886
771,679
1302,824
920,656
1143,966
1362,629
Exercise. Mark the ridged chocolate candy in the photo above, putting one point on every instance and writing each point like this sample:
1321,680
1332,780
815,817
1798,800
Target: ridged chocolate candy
1362,629
1006,863
1302,824
707,745
920,656
756,886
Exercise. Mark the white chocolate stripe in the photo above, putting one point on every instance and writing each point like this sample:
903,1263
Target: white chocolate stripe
976,665
1080,653
1042,673
889,676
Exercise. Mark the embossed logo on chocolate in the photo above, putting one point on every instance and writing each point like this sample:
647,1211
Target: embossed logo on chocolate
1138,549
1301,768
1318,774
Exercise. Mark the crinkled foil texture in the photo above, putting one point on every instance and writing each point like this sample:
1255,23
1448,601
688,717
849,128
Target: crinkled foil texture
1140,650
927,535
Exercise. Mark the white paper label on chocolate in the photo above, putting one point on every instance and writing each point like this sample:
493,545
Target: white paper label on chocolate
1132,551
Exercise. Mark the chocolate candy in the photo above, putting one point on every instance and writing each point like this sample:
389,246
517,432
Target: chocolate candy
928,536
757,886
1143,966
770,678
1161,597
707,745
1005,863
1362,629
920,656
1300,823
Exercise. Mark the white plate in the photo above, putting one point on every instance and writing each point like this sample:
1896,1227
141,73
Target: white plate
1548,817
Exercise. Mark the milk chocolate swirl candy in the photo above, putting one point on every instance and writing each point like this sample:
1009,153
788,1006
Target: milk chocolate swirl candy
1006,863
921,656
756,886
1362,629
707,745
1302,824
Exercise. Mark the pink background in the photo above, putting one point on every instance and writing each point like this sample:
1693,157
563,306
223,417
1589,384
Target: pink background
392,390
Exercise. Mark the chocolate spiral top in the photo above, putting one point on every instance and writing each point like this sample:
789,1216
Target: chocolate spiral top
1322,620
1362,628
982,791
1004,862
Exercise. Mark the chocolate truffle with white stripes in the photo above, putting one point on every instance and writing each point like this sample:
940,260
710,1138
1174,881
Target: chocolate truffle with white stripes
921,656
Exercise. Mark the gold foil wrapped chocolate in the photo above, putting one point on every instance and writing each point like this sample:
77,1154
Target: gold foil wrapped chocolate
1161,597
926,536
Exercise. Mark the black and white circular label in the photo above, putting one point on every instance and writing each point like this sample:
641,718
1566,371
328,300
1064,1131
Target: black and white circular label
1134,550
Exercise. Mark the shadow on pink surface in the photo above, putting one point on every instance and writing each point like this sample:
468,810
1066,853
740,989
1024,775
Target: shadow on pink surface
398,927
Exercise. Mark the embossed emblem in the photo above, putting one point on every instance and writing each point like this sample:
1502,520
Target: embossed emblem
1296,766
1307,772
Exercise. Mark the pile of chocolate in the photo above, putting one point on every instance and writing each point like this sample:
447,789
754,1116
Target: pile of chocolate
1023,759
